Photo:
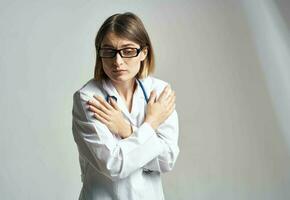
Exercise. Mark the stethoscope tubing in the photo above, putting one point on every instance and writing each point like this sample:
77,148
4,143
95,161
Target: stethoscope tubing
143,90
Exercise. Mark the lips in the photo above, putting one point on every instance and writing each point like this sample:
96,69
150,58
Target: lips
119,71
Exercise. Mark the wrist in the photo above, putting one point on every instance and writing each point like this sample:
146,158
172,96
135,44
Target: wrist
151,123
127,130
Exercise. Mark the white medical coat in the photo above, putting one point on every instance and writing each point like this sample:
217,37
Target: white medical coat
113,168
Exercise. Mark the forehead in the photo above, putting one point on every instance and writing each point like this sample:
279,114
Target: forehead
111,39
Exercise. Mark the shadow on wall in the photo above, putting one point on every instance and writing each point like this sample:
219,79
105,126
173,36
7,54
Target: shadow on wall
268,23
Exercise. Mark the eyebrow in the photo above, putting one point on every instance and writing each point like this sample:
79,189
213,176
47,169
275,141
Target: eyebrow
122,46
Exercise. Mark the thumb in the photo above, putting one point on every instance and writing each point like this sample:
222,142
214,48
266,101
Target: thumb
152,97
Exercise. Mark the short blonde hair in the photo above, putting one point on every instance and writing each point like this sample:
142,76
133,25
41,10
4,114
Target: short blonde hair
129,26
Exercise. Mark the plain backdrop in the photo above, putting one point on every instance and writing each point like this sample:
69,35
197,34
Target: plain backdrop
227,60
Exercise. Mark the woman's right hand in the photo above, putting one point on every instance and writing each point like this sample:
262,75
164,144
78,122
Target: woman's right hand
158,110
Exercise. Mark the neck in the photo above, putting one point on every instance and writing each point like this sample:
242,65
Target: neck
125,89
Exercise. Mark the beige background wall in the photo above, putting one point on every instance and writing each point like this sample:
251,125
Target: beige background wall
227,60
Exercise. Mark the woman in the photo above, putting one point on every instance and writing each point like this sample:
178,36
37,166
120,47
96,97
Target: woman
125,139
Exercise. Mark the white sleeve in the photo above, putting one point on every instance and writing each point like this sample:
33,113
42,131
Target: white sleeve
167,134
114,158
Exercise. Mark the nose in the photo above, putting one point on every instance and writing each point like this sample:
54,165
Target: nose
118,60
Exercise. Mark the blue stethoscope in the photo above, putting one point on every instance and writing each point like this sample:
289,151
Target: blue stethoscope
142,87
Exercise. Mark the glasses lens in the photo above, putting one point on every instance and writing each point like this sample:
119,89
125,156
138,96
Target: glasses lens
107,53
129,52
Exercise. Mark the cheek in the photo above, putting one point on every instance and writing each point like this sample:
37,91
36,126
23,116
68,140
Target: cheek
136,62
105,63
106,67
135,66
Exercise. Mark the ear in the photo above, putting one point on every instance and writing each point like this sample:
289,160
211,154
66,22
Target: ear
143,53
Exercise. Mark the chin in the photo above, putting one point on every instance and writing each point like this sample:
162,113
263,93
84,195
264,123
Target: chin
121,78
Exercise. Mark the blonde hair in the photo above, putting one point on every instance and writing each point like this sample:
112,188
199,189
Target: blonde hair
129,26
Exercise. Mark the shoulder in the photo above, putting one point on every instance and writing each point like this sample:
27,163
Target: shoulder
88,90
152,83
82,96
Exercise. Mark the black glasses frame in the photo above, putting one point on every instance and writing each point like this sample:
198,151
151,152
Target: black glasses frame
115,51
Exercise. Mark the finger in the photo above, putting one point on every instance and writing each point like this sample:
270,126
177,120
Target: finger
169,97
170,104
97,105
92,108
100,118
172,109
166,100
104,103
164,94
172,99
152,97
99,112
93,102
114,104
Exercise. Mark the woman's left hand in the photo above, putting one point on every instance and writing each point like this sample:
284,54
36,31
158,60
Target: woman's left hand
111,115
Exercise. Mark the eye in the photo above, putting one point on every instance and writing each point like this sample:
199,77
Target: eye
129,51
107,52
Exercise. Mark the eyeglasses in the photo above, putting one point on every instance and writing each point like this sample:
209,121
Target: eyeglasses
124,53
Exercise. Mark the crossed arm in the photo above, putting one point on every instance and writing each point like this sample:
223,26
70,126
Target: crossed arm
117,159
